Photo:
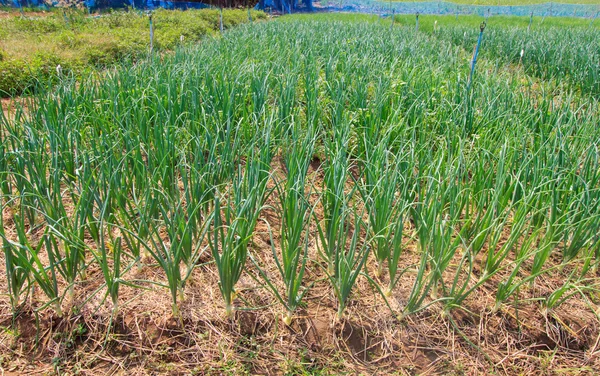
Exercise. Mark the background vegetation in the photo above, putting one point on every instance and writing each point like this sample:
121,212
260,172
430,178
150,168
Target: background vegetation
32,47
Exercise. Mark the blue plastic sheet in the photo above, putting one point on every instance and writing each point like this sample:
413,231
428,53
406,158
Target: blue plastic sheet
142,4
364,6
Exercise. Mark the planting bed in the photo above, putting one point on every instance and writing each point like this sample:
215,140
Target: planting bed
310,197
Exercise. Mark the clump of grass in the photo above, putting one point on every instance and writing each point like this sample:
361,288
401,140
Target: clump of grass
381,179
296,212
234,222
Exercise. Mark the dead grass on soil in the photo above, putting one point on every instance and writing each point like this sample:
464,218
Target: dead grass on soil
16,13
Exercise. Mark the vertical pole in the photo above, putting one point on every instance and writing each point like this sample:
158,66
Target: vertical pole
151,33
530,22
393,18
474,61
221,20
417,24
249,15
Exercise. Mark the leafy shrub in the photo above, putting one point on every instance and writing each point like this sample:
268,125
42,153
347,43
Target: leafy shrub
41,25
13,77
103,54
121,19
18,76
45,63
68,39
168,36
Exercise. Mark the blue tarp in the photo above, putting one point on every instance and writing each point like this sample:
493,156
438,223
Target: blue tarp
365,6
145,4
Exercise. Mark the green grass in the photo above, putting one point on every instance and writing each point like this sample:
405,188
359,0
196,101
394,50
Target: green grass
427,21
32,47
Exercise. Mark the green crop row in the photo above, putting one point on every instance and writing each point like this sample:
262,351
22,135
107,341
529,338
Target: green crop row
381,145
